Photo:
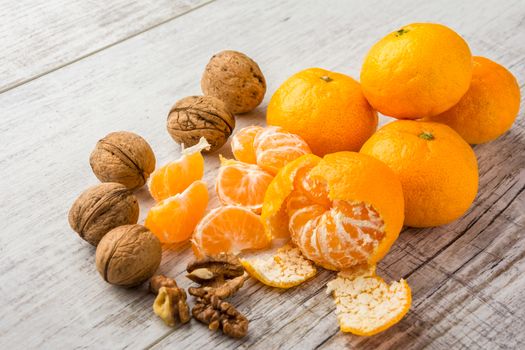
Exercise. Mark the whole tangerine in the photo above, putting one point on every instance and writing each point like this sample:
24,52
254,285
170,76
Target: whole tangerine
420,70
437,168
489,107
327,109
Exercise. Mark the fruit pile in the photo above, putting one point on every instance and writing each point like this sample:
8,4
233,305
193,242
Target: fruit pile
318,186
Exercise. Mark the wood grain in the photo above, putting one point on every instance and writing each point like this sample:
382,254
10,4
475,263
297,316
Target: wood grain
466,277
41,36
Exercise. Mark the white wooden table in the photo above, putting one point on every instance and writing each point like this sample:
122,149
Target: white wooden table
72,71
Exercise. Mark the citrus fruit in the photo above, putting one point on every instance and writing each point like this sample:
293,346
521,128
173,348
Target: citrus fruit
242,144
229,229
489,107
242,184
342,210
366,304
327,109
176,176
420,70
437,169
275,147
283,267
173,219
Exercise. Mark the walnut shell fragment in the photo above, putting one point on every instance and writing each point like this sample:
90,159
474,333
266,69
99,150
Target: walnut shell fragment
236,79
194,117
128,255
123,157
100,209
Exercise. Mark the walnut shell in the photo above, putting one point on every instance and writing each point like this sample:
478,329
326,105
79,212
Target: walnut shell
236,79
194,117
101,208
123,157
128,255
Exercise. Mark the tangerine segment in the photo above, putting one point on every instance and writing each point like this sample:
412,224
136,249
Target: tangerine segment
173,219
367,305
229,229
284,267
340,211
275,147
242,184
176,176
242,144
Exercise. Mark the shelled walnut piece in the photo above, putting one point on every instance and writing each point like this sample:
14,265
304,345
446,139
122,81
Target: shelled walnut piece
220,277
170,302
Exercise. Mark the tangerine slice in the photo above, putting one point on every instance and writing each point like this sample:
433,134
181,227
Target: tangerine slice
176,176
173,219
341,210
275,147
229,229
366,304
242,184
242,144
283,267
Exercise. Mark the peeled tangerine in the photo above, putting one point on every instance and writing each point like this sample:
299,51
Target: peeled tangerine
176,176
342,211
173,219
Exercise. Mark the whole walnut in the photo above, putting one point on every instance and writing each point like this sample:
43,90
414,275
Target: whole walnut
194,117
236,79
101,208
123,157
128,255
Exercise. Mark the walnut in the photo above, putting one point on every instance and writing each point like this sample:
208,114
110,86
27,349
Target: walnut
217,313
128,255
123,157
236,79
170,301
101,208
194,117
220,277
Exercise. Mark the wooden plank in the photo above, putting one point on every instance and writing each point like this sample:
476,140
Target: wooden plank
41,36
50,291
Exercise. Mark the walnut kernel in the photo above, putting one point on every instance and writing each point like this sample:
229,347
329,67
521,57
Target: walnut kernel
123,157
128,255
236,79
101,208
194,117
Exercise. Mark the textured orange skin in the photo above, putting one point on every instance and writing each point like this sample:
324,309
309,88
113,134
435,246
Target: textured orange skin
489,107
330,116
350,176
439,176
421,70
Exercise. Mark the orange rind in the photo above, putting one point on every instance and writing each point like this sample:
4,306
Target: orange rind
366,304
283,267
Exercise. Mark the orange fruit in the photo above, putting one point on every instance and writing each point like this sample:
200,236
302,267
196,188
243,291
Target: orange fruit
242,144
283,267
175,177
489,107
242,184
229,229
327,109
173,219
275,147
342,210
437,168
420,70
366,304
